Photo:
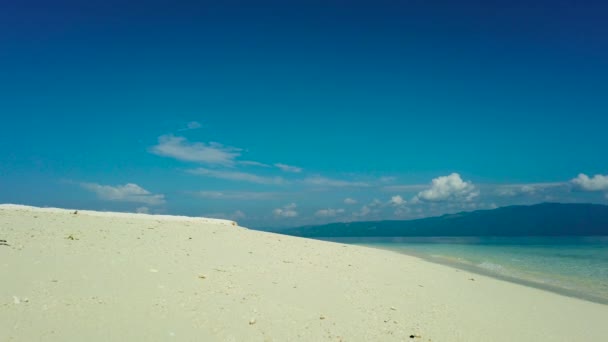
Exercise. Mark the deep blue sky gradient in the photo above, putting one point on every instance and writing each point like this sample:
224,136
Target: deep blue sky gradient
502,92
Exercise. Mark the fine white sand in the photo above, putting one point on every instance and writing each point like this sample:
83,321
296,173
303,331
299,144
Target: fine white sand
133,277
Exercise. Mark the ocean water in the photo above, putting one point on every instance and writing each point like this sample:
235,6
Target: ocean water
572,266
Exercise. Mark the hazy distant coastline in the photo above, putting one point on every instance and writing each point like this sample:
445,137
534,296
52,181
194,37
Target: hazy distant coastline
546,219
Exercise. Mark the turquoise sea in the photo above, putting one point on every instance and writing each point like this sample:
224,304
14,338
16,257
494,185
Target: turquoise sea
572,266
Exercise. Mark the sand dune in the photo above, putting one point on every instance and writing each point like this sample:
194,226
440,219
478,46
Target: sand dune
96,276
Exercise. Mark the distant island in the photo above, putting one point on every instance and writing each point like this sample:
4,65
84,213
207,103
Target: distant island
546,219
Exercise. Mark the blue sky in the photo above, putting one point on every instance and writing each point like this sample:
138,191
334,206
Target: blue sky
286,113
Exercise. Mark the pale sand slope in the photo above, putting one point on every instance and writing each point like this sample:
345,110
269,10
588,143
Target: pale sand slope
145,278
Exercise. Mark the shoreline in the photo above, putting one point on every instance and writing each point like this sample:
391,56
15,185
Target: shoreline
100,277
481,271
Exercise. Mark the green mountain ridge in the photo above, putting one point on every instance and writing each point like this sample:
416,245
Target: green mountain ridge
545,219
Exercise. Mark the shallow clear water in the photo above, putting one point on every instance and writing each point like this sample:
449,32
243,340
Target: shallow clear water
575,266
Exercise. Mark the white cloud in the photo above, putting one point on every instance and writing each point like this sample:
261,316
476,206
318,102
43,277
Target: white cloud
350,201
595,183
449,187
397,201
375,203
365,210
322,181
527,189
511,190
329,212
286,211
237,176
208,153
124,193
374,207
193,125
253,163
288,168
142,210
402,211
236,195
507,192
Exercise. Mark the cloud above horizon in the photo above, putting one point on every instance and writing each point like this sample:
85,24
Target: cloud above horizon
515,190
512,190
253,163
329,212
397,201
286,211
288,168
237,176
323,181
364,211
206,153
236,195
129,192
191,126
586,183
450,187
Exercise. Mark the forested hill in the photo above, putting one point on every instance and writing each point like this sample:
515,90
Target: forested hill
546,219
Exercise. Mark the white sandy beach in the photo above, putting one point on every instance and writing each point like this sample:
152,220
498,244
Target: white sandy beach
133,277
